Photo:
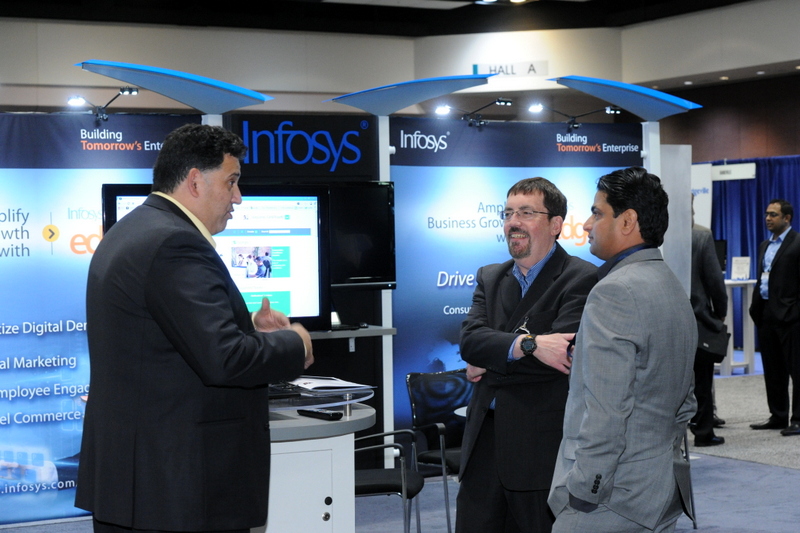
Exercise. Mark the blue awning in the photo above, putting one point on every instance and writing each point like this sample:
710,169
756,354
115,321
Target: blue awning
385,100
648,104
204,94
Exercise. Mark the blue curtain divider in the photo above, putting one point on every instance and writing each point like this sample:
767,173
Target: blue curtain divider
737,212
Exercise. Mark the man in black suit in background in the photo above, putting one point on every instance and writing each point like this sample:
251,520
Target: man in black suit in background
710,305
176,432
776,313
515,340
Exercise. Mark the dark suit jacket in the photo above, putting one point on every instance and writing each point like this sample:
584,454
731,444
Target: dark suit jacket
784,285
530,396
708,295
176,433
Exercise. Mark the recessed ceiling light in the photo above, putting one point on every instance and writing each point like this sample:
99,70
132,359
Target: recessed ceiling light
687,82
724,78
760,73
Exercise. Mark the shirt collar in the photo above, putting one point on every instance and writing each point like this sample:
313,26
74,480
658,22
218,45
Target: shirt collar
608,265
196,221
782,236
528,278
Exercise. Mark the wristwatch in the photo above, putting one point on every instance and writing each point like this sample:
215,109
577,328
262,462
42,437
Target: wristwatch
528,344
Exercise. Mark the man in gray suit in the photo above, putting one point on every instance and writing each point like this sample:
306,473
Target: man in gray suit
619,467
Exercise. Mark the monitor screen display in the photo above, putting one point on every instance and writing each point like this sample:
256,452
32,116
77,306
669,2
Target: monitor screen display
276,242
362,235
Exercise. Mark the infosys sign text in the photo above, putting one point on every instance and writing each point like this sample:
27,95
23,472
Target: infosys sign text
288,147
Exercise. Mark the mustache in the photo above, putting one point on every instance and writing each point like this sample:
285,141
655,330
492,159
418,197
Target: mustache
516,229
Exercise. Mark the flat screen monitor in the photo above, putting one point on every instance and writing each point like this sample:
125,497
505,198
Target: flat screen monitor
362,235
275,246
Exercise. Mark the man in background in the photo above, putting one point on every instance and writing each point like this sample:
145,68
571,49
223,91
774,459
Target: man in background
619,467
176,432
710,305
515,340
776,313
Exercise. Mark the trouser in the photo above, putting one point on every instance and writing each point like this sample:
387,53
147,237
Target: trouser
485,506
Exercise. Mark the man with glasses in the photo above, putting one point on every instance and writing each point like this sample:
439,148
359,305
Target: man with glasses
776,313
516,339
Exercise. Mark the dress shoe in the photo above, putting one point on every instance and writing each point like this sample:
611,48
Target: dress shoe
718,422
713,441
794,429
770,423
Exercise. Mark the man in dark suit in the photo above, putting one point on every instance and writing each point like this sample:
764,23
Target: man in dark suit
710,305
176,432
776,313
515,340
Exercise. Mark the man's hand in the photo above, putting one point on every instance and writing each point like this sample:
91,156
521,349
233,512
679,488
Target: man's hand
474,373
306,342
551,350
267,319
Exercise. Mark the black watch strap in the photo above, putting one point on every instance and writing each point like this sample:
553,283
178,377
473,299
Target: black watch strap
528,344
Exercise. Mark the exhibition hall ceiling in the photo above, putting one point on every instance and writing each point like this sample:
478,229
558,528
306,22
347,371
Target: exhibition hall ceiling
410,18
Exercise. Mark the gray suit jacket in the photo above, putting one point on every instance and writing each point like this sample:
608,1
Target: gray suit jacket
630,394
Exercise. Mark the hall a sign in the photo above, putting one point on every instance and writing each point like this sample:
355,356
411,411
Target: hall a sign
524,68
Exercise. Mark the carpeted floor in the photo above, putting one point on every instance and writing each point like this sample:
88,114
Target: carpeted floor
741,401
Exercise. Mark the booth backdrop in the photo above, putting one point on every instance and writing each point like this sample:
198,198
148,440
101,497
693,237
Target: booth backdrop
451,182
51,171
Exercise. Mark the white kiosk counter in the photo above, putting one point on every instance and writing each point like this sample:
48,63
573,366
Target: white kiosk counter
312,474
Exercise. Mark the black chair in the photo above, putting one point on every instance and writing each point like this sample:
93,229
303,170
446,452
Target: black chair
435,397
403,480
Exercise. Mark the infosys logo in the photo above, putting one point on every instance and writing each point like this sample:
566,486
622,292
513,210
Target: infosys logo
286,144
420,141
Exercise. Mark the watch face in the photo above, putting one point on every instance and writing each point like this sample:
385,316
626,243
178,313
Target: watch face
528,345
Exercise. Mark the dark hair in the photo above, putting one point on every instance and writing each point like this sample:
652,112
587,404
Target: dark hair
554,200
786,207
193,146
635,188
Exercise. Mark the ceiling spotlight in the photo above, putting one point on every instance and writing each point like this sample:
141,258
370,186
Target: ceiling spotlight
536,108
443,110
100,111
76,101
613,110
503,101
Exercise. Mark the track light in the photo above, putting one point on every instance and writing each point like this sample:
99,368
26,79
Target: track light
572,120
473,118
100,111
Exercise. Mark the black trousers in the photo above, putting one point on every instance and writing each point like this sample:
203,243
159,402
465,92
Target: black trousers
780,355
485,506
703,391
104,527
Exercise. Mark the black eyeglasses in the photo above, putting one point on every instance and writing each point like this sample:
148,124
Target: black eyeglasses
522,214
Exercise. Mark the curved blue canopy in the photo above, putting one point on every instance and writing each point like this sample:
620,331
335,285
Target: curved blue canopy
204,94
648,104
390,98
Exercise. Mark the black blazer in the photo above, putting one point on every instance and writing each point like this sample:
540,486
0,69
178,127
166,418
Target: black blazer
781,308
176,432
530,396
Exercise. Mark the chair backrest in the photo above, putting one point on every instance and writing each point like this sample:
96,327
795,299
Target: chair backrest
434,398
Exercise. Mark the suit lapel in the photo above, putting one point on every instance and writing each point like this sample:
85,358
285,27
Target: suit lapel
552,269
784,245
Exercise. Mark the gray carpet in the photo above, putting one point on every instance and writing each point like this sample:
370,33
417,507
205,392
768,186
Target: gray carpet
747,485
741,401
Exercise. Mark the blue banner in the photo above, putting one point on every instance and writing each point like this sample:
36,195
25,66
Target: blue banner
51,171
447,204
